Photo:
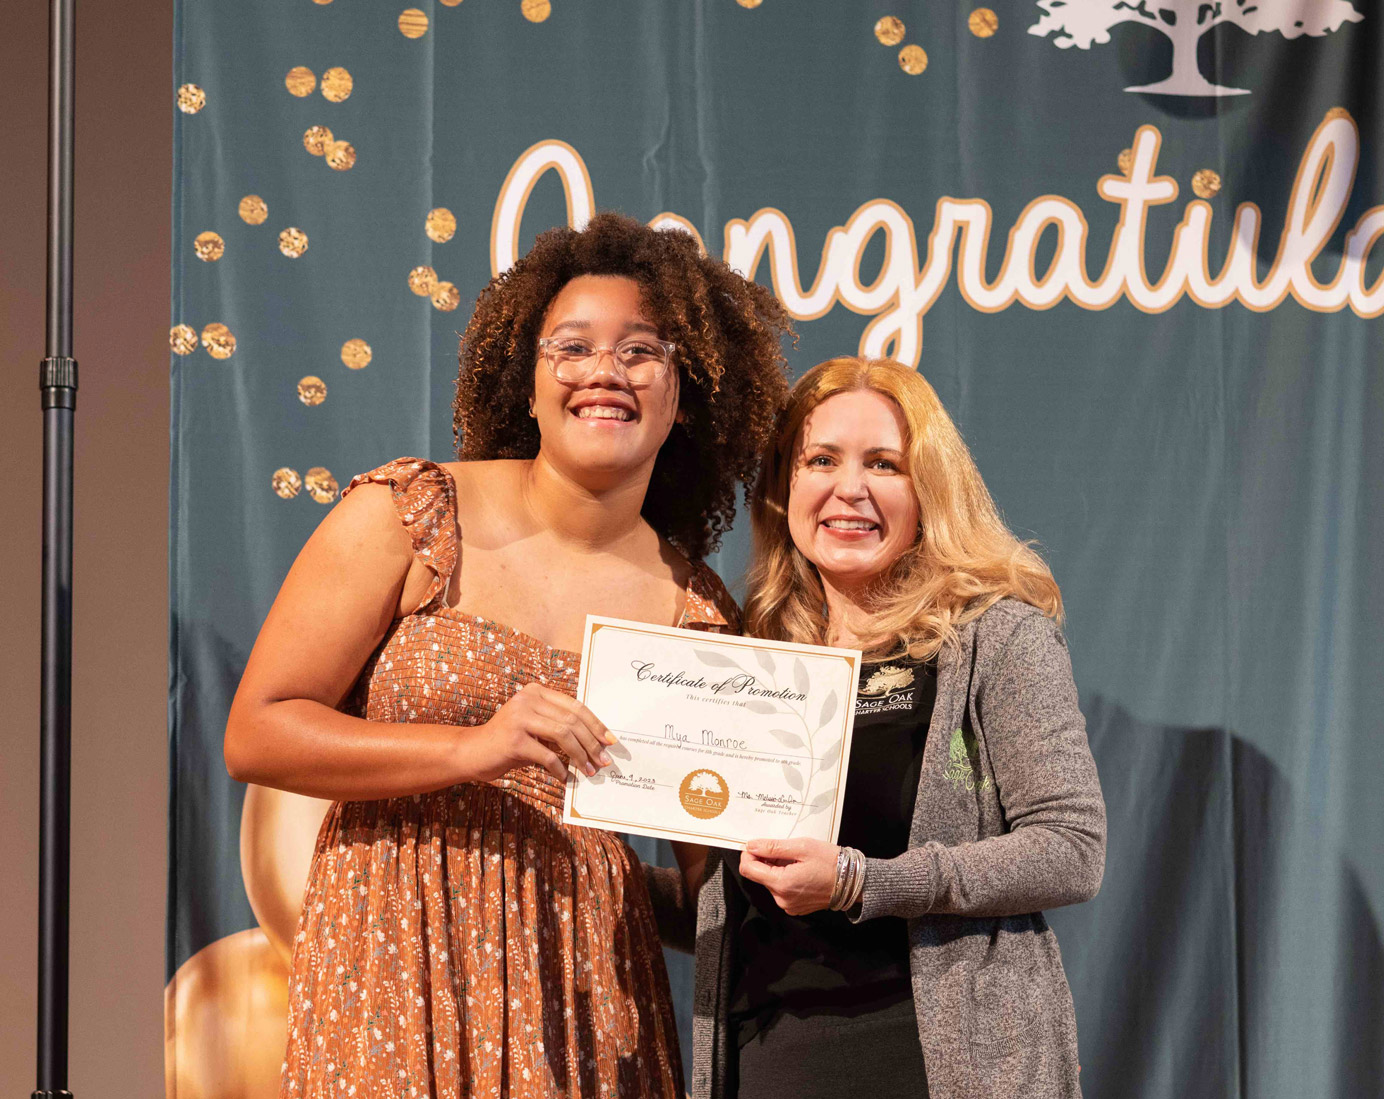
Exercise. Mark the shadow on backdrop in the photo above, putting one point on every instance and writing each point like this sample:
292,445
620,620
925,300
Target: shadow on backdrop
1169,964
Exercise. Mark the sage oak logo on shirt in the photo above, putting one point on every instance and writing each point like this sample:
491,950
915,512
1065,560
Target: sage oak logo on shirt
963,763
704,794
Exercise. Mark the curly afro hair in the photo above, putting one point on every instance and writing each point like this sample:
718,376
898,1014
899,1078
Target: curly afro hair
728,333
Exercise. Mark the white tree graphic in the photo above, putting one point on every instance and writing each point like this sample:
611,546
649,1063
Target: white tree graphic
1084,23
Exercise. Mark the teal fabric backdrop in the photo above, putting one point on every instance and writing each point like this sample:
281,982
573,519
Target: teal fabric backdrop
1138,252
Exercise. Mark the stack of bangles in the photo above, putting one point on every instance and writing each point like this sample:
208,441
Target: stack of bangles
850,879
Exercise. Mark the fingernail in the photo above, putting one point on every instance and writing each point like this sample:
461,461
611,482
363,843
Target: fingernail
604,757
611,738
589,770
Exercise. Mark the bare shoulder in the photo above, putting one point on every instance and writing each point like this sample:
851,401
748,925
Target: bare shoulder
365,516
485,489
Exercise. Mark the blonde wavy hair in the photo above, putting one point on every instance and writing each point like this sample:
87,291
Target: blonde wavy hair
964,560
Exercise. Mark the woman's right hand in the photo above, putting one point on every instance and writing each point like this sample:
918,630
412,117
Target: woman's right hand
537,725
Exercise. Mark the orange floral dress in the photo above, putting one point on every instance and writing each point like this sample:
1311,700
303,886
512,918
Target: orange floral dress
466,942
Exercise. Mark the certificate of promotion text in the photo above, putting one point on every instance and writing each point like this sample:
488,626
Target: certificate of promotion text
721,739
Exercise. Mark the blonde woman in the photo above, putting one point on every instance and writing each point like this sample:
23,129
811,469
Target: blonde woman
913,959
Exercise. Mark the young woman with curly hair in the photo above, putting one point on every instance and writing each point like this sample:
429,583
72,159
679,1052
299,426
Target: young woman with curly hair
418,669
913,958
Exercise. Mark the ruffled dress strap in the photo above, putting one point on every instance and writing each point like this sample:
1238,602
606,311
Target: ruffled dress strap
425,499
709,605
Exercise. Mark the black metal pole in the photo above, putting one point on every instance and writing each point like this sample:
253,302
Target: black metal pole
58,390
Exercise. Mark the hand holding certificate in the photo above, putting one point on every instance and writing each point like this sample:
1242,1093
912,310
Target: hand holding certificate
722,739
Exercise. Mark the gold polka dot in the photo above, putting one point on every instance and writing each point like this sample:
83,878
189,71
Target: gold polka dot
191,99
341,156
300,81
293,242
312,390
749,3
889,30
413,23
218,341
182,339
253,210
337,84
451,3
1125,160
446,297
316,139
286,482
1206,183
983,22
535,11
321,485
321,1
209,246
356,354
422,281
441,225
913,59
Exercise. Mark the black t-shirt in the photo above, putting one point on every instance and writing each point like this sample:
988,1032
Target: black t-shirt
822,964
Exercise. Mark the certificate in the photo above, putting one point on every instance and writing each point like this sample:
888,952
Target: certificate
721,739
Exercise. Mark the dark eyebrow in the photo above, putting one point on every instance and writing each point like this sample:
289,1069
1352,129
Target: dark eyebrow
585,325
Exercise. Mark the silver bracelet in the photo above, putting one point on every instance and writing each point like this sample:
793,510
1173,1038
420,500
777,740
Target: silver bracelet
838,887
850,879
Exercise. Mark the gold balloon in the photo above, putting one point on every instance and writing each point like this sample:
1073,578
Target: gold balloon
287,484
278,835
1125,160
889,30
1206,183
341,155
337,84
413,23
293,242
191,99
422,281
218,341
182,339
913,59
441,225
356,354
321,485
226,1021
253,210
535,11
209,246
312,390
446,297
983,22
300,81
316,139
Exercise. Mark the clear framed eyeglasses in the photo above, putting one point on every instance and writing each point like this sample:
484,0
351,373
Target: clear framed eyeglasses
641,359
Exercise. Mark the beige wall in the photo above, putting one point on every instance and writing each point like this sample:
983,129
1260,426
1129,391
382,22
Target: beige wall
119,785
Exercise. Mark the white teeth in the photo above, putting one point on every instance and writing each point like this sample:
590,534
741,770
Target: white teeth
850,524
604,412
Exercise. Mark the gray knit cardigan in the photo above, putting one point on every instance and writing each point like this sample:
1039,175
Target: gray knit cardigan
1009,820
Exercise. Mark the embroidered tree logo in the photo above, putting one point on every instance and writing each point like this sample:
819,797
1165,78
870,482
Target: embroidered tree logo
1084,23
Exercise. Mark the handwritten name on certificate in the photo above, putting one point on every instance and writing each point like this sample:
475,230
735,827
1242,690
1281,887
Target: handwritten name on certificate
721,739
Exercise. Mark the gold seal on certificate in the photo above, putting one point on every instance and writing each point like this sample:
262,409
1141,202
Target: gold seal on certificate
721,739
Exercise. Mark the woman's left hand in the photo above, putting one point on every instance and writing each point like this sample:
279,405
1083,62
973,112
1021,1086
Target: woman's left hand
799,873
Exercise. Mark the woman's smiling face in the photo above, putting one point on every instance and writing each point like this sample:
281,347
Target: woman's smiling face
852,511
601,424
